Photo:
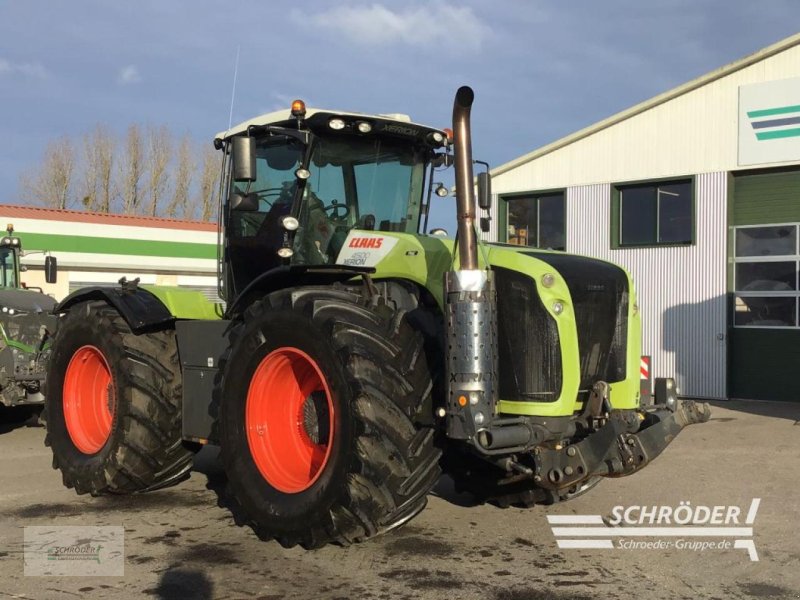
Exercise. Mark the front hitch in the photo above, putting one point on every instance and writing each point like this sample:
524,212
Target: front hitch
628,441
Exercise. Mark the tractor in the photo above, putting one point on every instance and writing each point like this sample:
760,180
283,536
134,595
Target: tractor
356,356
26,329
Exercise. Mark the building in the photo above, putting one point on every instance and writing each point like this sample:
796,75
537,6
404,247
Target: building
99,249
697,193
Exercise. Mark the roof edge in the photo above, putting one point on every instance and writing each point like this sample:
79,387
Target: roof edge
12,211
662,98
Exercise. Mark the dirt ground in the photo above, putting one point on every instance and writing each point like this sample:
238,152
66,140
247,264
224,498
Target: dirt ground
179,544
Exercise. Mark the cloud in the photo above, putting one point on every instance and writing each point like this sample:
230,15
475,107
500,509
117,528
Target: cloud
128,75
32,70
454,27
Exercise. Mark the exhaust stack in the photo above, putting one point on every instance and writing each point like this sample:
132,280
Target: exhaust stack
465,196
470,305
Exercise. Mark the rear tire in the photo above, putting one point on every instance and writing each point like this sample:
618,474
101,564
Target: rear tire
113,405
375,462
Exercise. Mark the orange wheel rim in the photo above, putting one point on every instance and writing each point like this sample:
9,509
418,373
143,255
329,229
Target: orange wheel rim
289,419
88,399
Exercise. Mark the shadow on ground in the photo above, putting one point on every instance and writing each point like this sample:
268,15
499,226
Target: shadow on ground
14,417
762,408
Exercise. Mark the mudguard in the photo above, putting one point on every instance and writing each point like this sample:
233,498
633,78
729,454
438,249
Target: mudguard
294,276
141,309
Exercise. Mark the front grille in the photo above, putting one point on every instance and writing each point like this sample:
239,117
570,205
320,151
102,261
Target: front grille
599,293
530,353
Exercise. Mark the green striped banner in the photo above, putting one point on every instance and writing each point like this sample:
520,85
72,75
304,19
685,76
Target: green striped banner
105,245
768,112
778,133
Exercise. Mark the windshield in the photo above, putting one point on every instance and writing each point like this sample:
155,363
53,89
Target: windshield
364,182
8,271
356,181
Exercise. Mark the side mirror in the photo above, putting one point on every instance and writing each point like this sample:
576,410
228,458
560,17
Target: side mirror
244,202
50,269
486,224
485,190
243,152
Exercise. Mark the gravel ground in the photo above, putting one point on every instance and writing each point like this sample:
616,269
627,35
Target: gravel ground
179,544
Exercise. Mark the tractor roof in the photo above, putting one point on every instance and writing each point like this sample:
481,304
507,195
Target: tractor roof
284,117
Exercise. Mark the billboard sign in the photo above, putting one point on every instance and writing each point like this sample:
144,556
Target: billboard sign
769,122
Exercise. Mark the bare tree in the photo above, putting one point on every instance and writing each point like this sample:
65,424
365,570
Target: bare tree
51,183
136,174
159,146
106,145
208,189
131,169
182,178
98,168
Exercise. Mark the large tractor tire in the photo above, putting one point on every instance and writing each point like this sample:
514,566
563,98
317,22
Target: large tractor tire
322,398
113,405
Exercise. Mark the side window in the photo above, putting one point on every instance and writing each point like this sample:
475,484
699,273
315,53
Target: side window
537,220
276,162
654,214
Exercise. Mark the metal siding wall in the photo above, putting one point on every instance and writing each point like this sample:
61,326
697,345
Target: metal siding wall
681,290
693,133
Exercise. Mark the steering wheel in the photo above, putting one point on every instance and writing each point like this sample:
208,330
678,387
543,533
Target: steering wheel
337,211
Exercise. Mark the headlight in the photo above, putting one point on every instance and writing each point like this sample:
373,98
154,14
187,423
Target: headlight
336,124
290,223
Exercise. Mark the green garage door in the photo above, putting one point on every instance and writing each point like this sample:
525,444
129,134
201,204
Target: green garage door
764,334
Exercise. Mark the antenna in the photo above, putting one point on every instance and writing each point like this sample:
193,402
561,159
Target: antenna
233,91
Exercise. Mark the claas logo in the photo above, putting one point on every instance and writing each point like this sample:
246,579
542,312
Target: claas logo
364,242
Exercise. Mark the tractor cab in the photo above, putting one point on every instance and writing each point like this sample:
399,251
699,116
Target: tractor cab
298,182
10,249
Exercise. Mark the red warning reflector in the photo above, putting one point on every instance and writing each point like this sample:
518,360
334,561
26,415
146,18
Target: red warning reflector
644,367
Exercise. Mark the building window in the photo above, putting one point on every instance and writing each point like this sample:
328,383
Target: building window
654,214
537,220
765,276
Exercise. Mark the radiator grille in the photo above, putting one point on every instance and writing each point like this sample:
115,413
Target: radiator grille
599,293
530,354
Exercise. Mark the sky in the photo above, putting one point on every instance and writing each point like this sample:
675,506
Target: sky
540,69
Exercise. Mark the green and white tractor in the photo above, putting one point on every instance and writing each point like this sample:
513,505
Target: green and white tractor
357,356
26,328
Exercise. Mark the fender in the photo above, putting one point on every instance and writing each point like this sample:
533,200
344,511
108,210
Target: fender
141,310
293,276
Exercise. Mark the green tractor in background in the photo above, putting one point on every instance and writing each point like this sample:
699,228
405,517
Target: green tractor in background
27,326
357,356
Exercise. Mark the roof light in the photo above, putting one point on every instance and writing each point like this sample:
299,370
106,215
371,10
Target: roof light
336,124
302,173
437,138
449,133
5,241
298,109
15,241
285,252
364,127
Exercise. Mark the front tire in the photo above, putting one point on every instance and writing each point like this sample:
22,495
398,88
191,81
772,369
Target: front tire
113,405
321,405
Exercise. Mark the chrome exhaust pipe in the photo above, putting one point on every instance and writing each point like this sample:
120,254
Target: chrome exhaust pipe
470,310
465,195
